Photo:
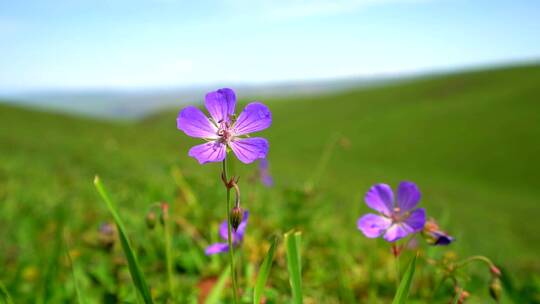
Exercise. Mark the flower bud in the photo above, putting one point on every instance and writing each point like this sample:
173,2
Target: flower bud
236,217
164,216
107,236
151,220
463,295
495,270
495,288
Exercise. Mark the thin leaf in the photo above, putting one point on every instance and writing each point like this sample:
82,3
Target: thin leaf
134,269
4,295
294,264
215,294
264,271
51,271
75,273
403,290
184,187
168,252
456,298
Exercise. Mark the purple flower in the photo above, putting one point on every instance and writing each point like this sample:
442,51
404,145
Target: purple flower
435,236
223,131
396,218
264,174
237,236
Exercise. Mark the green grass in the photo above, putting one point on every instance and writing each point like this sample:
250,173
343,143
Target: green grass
471,141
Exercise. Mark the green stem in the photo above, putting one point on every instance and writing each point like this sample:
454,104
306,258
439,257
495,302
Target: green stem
436,287
475,258
168,254
398,276
229,233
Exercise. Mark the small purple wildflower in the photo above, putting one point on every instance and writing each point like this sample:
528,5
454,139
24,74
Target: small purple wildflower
223,131
396,218
264,173
434,235
237,236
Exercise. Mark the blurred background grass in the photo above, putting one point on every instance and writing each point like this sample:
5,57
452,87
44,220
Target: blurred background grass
470,140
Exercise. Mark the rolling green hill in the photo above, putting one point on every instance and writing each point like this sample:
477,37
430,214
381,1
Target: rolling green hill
470,140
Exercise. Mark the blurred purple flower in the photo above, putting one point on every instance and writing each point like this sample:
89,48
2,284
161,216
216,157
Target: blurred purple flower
223,131
396,218
434,235
264,174
237,236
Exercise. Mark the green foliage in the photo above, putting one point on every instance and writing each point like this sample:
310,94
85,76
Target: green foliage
294,264
405,283
217,291
134,268
4,295
469,140
264,271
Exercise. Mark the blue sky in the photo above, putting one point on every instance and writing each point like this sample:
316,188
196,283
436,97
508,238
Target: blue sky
85,44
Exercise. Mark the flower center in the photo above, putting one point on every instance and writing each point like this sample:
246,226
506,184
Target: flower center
225,131
397,216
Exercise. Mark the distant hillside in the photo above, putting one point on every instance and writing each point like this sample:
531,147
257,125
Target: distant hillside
470,140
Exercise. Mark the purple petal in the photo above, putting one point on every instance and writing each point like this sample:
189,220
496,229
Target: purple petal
380,198
264,175
408,196
216,248
373,225
194,123
441,238
267,180
237,235
249,149
241,230
396,232
255,117
263,164
221,104
416,219
209,152
223,231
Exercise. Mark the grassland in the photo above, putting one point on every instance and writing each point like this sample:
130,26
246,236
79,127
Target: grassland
471,141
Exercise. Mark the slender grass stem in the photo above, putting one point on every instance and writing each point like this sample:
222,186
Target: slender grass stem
323,161
229,234
168,251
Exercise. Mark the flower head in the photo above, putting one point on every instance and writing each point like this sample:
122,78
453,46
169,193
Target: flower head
434,235
223,130
236,234
397,218
264,173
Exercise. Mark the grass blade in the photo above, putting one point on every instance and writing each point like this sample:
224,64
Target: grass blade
184,187
74,273
134,269
168,250
51,270
294,264
264,271
456,298
215,294
4,295
405,284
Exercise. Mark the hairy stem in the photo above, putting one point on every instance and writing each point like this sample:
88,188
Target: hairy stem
395,251
229,233
475,258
